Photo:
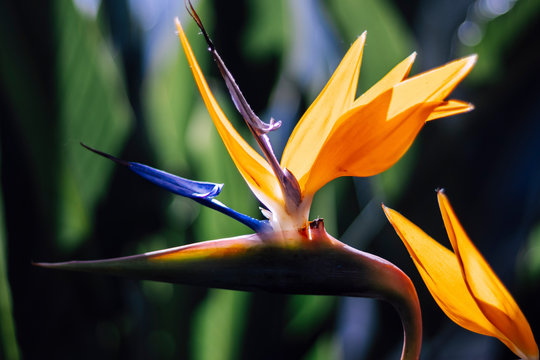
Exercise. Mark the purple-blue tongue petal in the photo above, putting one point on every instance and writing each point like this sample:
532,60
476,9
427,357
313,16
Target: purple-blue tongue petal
200,191
176,184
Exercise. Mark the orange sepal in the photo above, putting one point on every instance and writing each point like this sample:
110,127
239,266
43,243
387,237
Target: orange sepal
253,167
490,294
432,85
312,129
441,273
365,142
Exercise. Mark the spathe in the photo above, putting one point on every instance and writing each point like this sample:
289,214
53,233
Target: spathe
298,262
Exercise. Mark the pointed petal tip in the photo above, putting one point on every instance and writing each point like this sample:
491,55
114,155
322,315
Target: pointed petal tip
389,213
469,62
179,29
360,40
105,155
410,60
53,265
441,194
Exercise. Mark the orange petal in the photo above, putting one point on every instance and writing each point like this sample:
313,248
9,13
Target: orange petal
253,167
317,122
433,85
450,107
441,272
493,299
364,143
394,77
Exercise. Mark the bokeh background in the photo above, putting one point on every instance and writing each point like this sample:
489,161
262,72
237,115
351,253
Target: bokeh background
112,75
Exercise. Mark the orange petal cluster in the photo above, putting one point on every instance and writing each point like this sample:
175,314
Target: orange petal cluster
463,284
339,134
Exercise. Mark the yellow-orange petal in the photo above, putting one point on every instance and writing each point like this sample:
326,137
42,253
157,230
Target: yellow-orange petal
317,122
450,107
394,77
363,142
492,297
441,273
432,85
253,167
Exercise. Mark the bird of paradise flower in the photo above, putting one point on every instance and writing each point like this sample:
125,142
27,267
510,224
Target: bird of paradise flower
463,283
337,136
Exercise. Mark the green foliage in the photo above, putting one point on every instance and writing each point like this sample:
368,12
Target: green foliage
8,342
73,84
499,37
93,108
388,38
266,30
530,266
217,331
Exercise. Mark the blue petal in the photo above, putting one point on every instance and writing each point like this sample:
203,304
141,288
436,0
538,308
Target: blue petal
176,184
200,191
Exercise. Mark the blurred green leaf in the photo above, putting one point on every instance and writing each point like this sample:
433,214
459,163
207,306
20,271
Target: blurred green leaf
169,93
25,82
307,312
266,31
219,324
388,38
8,342
530,265
325,348
500,36
93,109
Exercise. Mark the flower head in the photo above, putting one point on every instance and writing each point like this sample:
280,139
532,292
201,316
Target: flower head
463,283
339,134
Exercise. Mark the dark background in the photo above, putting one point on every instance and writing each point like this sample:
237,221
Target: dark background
112,75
